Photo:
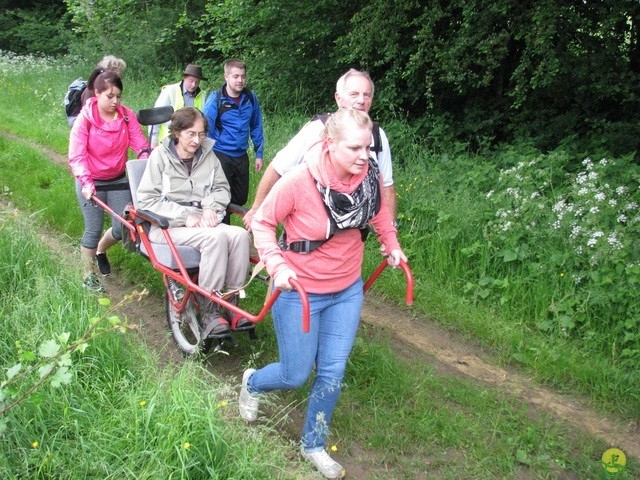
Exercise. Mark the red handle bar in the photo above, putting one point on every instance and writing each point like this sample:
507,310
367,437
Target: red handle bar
109,210
407,273
305,304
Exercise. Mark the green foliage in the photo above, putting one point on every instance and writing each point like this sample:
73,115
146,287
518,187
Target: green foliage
53,363
480,72
432,414
506,69
34,27
151,36
580,233
288,46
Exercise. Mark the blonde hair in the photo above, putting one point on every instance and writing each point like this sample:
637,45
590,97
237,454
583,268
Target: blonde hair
115,64
341,119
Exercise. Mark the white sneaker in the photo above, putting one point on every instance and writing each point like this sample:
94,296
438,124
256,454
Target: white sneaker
326,465
248,402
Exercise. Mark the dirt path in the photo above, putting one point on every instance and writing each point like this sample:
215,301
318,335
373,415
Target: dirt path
437,346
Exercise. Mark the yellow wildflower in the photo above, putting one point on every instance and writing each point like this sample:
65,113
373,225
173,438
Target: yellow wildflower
334,448
142,403
35,445
186,445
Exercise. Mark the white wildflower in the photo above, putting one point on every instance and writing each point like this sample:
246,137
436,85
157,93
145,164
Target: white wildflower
559,206
613,241
575,231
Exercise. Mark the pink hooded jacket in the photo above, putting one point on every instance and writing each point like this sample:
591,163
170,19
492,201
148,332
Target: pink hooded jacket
98,149
295,201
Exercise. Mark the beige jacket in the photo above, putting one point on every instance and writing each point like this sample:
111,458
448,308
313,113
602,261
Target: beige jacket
166,182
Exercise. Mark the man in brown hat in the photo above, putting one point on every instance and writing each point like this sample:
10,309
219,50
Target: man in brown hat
186,93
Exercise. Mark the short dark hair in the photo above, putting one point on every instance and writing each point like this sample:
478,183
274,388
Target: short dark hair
106,80
185,118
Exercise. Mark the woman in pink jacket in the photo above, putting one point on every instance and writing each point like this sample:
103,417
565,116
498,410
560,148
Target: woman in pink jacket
325,205
98,145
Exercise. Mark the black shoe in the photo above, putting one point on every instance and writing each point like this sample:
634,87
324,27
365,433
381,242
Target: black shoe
244,324
103,264
213,324
215,327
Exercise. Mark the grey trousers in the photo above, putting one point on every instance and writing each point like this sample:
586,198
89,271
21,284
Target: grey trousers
94,215
224,253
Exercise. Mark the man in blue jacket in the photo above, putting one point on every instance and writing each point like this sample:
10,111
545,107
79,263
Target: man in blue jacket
233,114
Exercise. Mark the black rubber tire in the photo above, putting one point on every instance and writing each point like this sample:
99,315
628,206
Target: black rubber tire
181,327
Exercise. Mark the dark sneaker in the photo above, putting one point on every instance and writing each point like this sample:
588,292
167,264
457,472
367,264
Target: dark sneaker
244,323
91,282
220,326
214,325
103,264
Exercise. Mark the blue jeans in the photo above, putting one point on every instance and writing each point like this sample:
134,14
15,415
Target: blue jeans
334,323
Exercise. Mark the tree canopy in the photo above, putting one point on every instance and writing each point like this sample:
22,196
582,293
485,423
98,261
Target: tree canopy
475,71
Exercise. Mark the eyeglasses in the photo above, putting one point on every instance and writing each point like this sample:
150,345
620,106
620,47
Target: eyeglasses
191,135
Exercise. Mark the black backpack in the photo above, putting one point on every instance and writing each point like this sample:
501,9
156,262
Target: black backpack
226,106
73,100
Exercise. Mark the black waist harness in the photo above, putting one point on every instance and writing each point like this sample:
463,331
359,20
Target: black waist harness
194,203
113,184
345,212
306,246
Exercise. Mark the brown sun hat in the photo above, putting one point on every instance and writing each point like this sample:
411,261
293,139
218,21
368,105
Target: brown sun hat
194,71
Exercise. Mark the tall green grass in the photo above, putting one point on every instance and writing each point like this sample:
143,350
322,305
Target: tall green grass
122,416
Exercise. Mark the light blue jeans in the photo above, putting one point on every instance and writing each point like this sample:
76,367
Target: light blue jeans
334,323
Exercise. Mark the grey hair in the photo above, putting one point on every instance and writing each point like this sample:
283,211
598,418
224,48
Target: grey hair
353,72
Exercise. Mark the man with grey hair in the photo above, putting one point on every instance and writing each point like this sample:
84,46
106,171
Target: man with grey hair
354,89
